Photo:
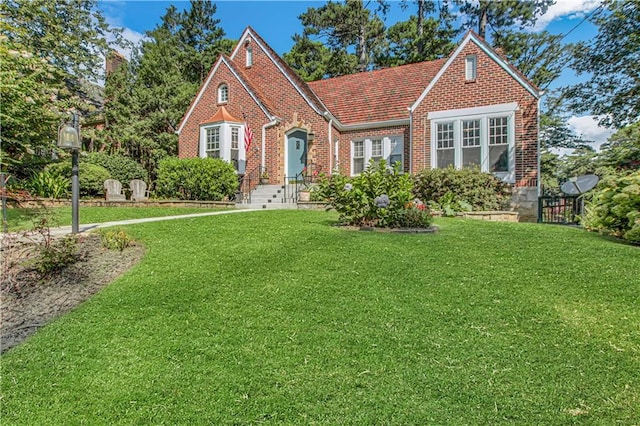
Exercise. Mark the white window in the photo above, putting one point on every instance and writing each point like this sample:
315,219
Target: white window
235,132
376,150
445,140
471,149
475,137
388,148
213,142
249,57
222,140
223,93
471,67
358,157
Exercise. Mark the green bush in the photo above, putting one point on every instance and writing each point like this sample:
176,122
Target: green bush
379,196
115,239
91,176
614,207
48,185
120,167
196,179
482,191
56,254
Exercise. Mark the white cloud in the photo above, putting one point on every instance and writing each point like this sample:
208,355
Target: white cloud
588,127
112,12
571,9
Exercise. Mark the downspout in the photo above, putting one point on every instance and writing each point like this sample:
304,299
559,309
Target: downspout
410,140
264,138
539,174
330,145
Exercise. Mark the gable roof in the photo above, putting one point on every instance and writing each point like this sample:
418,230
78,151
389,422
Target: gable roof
473,37
298,83
380,95
223,59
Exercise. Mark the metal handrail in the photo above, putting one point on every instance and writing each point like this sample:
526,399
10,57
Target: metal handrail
248,180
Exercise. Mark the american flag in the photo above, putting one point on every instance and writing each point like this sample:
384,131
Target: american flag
248,137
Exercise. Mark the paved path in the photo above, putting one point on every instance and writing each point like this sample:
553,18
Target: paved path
64,230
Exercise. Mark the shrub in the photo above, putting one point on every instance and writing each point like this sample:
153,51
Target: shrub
482,191
379,196
120,167
56,255
614,207
115,239
49,185
91,176
196,179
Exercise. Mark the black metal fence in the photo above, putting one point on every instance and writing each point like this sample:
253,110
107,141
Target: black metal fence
564,210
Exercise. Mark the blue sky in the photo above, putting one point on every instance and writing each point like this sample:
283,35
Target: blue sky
277,22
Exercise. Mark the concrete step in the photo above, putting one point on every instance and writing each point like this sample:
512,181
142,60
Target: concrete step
268,206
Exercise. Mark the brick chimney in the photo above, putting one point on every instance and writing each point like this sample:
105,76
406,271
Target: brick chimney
113,61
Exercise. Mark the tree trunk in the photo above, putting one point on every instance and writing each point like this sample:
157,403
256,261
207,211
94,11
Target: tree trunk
482,21
420,29
362,46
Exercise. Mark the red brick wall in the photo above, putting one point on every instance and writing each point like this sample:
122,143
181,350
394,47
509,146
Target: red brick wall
493,85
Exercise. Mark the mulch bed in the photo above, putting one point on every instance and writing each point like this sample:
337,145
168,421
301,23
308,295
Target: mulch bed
29,301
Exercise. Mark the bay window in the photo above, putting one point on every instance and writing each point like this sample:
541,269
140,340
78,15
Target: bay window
475,137
222,140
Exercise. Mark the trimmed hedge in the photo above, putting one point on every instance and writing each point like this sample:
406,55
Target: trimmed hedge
469,186
209,179
614,207
120,167
91,176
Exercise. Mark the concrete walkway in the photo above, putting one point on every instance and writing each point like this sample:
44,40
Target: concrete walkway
64,230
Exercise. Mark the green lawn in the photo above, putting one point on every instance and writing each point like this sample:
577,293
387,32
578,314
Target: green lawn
23,219
277,317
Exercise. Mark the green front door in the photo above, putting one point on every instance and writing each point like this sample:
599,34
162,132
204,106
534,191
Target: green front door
296,153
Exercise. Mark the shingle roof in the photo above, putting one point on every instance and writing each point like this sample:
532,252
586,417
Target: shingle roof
378,95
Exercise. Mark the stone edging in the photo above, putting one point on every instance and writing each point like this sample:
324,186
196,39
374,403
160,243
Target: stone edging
430,230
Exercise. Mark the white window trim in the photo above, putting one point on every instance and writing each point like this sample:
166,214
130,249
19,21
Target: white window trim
225,142
220,91
483,114
386,150
249,57
471,67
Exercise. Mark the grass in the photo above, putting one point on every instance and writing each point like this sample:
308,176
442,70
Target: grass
277,317
23,219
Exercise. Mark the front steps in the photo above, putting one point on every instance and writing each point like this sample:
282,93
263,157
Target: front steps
267,197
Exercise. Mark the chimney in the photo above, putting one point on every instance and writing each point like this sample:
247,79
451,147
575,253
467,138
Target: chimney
113,61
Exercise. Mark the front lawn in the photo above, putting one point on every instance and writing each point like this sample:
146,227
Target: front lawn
277,317
23,219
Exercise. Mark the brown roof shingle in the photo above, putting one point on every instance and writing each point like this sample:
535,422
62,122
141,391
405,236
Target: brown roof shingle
378,95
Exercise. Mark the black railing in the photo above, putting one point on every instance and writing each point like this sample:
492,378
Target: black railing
248,182
294,184
564,210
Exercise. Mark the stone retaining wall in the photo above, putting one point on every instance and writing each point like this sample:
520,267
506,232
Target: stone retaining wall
47,202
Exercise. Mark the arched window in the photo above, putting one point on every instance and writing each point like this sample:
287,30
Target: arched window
223,93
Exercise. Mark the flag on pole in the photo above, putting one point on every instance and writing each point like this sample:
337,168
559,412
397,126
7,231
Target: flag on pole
248,137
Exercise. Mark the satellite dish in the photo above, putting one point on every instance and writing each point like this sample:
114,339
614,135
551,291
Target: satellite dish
579,185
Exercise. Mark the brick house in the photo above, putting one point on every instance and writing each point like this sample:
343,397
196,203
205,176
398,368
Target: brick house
472,108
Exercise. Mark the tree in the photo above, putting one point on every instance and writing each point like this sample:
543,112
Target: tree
611,59
310,59
540,56
346,27
421,38
28,84
501,14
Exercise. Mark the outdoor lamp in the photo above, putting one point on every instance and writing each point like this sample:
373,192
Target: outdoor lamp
311,136
69,138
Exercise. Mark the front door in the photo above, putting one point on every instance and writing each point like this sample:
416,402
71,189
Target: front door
296,153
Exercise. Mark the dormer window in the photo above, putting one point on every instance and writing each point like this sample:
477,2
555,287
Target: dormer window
471,67
223,94
249,57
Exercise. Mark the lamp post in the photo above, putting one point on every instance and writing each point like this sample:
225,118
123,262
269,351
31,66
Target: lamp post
69,138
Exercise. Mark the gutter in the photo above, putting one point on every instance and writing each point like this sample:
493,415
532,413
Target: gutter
330,137
272,123
410,140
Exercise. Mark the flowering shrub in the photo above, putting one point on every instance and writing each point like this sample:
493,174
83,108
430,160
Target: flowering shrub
379,196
